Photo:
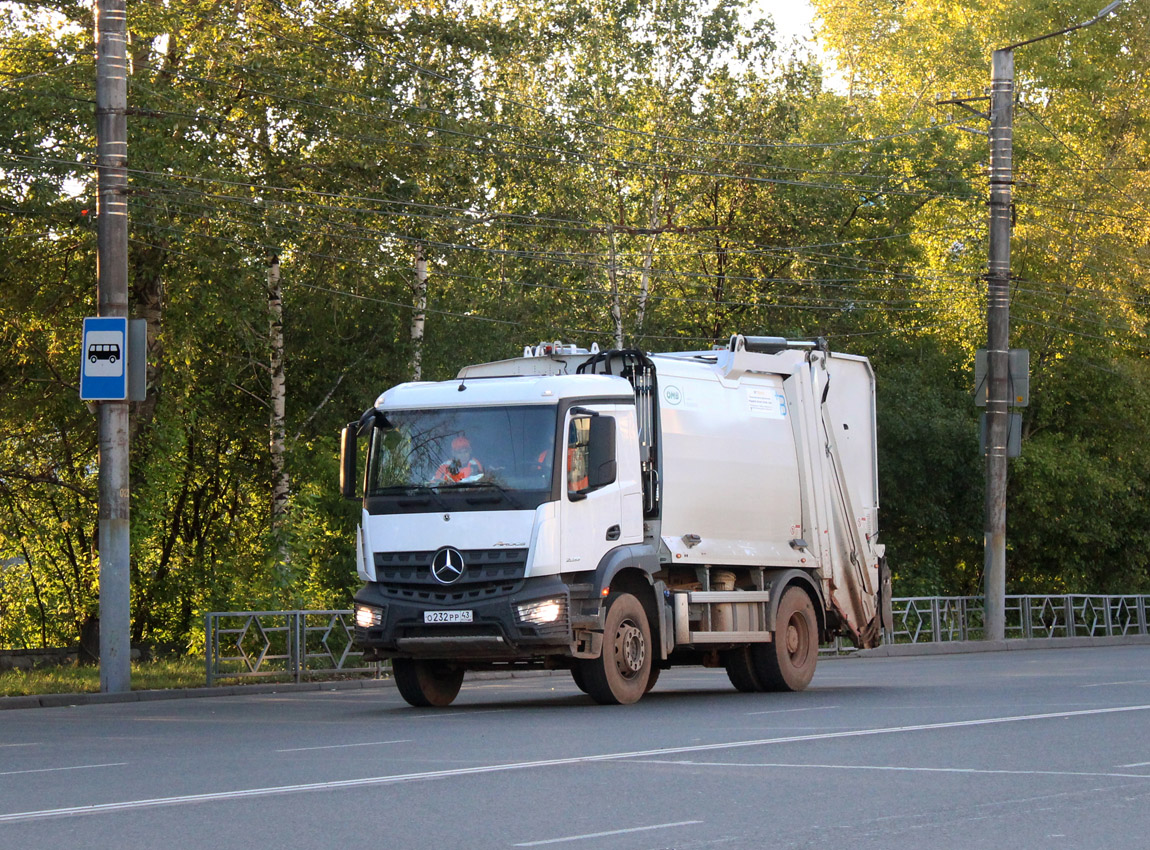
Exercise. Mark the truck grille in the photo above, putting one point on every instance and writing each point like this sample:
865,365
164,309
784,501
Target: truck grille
488,573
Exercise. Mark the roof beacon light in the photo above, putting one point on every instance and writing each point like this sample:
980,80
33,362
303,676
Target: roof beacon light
557,348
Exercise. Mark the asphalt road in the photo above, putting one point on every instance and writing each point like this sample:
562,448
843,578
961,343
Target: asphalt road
1010,749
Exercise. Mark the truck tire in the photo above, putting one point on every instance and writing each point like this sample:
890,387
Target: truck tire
652,678
620,674
788,662
740,666
427,684
577,677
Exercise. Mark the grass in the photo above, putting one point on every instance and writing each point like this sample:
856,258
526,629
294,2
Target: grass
71,679
146,676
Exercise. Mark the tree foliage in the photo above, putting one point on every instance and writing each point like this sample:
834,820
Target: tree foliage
660,172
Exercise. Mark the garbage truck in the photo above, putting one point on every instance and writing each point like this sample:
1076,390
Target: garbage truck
616,513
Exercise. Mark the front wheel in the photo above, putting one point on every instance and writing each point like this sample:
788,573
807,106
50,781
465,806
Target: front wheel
427,684
788,662
619,676
577,677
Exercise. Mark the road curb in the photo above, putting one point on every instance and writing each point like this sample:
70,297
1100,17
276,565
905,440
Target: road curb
956,647
71,700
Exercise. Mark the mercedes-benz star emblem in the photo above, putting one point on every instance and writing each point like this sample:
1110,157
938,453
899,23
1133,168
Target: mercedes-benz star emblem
447,565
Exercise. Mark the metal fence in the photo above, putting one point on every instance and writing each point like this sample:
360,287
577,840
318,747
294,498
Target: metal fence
286,644
933,619
311,644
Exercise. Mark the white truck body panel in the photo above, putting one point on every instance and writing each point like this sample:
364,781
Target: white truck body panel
730,474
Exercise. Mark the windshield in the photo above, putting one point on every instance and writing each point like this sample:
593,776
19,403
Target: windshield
461,459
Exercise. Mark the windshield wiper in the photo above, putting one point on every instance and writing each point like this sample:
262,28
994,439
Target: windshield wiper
475,485
412,489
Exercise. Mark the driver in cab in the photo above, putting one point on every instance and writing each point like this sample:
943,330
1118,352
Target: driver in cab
461,465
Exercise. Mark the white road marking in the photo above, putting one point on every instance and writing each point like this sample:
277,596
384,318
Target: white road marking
373,781
1137,764
54,769
1108,684
341,746
896,768
36,744
604,834
791,710
446,714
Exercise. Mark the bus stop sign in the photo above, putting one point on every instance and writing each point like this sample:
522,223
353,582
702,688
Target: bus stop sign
103,359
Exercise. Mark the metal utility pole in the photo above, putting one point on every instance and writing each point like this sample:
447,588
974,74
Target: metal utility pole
112,300
998,325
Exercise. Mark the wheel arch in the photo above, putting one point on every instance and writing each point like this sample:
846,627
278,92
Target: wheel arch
629,569
781,580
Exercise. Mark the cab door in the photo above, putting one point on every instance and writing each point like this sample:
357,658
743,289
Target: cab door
591,500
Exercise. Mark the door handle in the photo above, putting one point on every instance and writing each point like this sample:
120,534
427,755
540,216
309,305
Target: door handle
613,533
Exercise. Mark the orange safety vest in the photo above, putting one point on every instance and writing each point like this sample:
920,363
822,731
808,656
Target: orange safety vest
574,484
447,471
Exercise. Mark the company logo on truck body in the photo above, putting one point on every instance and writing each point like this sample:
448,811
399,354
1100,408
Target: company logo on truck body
447,566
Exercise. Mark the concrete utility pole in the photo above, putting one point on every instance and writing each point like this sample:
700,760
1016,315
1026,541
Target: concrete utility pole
998,340
998,325
112,300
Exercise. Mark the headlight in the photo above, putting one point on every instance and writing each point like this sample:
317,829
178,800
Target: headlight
543,612
366,617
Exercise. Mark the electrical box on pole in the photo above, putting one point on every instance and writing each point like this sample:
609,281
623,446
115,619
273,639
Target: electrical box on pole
1013,435
1017,379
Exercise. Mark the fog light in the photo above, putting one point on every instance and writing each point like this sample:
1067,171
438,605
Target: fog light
542,612
366,617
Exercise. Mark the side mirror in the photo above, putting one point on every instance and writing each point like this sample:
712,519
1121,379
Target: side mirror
602,467
347,452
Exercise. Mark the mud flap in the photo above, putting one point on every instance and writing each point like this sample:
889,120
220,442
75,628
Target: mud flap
886,611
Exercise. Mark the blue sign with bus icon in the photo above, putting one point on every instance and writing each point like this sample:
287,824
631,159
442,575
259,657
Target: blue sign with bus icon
102,373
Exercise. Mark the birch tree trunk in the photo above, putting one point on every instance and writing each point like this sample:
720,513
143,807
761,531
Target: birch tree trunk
281,483
616,307
648,259
419,315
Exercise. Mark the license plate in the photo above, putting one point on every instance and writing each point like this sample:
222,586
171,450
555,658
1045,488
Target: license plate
447,616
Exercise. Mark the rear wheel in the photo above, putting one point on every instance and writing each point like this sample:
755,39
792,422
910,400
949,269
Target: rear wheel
427,684
620,674
788,662
740,668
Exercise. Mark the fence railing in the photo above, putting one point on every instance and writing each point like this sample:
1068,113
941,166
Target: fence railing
933,619
311,644
296,644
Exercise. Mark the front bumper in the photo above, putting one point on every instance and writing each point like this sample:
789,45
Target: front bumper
497,631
